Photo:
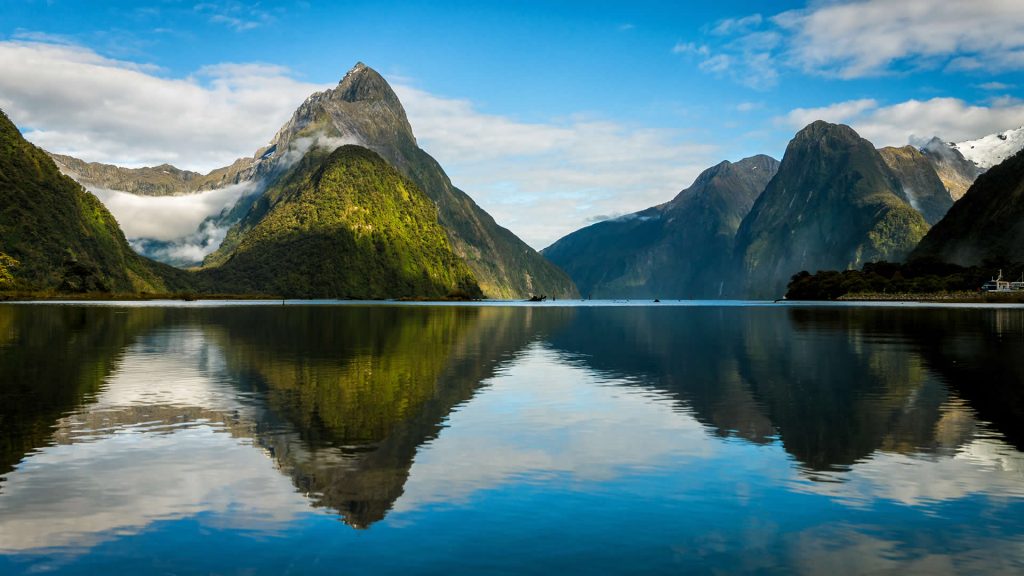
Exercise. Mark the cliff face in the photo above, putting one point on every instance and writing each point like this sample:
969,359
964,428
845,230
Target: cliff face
834,204
680,249
921,183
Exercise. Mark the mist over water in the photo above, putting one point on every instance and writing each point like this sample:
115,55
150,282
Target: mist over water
469,439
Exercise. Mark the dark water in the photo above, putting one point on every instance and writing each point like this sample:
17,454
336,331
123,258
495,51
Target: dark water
468,440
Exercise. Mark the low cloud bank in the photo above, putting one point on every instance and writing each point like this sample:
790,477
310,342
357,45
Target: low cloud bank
168,218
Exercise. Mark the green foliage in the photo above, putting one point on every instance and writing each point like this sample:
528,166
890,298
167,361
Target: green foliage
7,265
915,277
344,226
63,236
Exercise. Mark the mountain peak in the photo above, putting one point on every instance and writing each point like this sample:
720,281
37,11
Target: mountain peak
820,129
364,83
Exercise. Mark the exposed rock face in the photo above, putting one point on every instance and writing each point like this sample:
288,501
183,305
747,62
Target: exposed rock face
987,224
680,249
956,172
921,184
60,236
162,180
833,204
364,110
344,225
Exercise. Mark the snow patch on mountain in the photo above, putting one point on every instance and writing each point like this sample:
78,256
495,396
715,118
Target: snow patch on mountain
990,150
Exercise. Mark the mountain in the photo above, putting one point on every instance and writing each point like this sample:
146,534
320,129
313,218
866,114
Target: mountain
987,224
343,224
987,151
920,181
680,249
956,172
833,204
162,180
61,236
364,110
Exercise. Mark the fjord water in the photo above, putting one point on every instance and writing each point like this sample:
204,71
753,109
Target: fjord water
305,439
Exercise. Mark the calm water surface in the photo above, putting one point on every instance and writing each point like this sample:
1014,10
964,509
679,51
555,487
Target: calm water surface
383,439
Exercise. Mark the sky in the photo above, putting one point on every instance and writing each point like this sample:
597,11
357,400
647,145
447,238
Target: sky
551,115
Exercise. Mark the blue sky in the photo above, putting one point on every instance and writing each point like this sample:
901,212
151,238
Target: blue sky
551,114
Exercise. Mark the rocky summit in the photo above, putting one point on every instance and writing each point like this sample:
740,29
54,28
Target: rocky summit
363,109
834,204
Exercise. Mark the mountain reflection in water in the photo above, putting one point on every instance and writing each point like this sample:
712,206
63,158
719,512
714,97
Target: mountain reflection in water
737,438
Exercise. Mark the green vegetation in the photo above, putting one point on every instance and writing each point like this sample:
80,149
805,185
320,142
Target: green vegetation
878,280
344,225
62,236
7,266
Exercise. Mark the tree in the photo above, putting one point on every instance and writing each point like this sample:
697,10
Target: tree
7,265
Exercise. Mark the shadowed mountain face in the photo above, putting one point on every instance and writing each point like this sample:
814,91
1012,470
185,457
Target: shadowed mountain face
62,236
364,110
681,249
347,225
986,225
921,184
833,204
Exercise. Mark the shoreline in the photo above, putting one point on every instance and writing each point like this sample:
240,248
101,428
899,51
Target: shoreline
948,297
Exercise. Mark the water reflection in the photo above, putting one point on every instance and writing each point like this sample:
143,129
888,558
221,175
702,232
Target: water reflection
709,426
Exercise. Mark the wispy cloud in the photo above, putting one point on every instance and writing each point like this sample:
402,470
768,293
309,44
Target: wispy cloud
235,15
995,86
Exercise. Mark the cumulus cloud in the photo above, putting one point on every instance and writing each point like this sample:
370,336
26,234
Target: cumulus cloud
853,39
913,121
71,100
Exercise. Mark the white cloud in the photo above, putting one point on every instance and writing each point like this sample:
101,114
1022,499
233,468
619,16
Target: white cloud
914,121
74,101
544,180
